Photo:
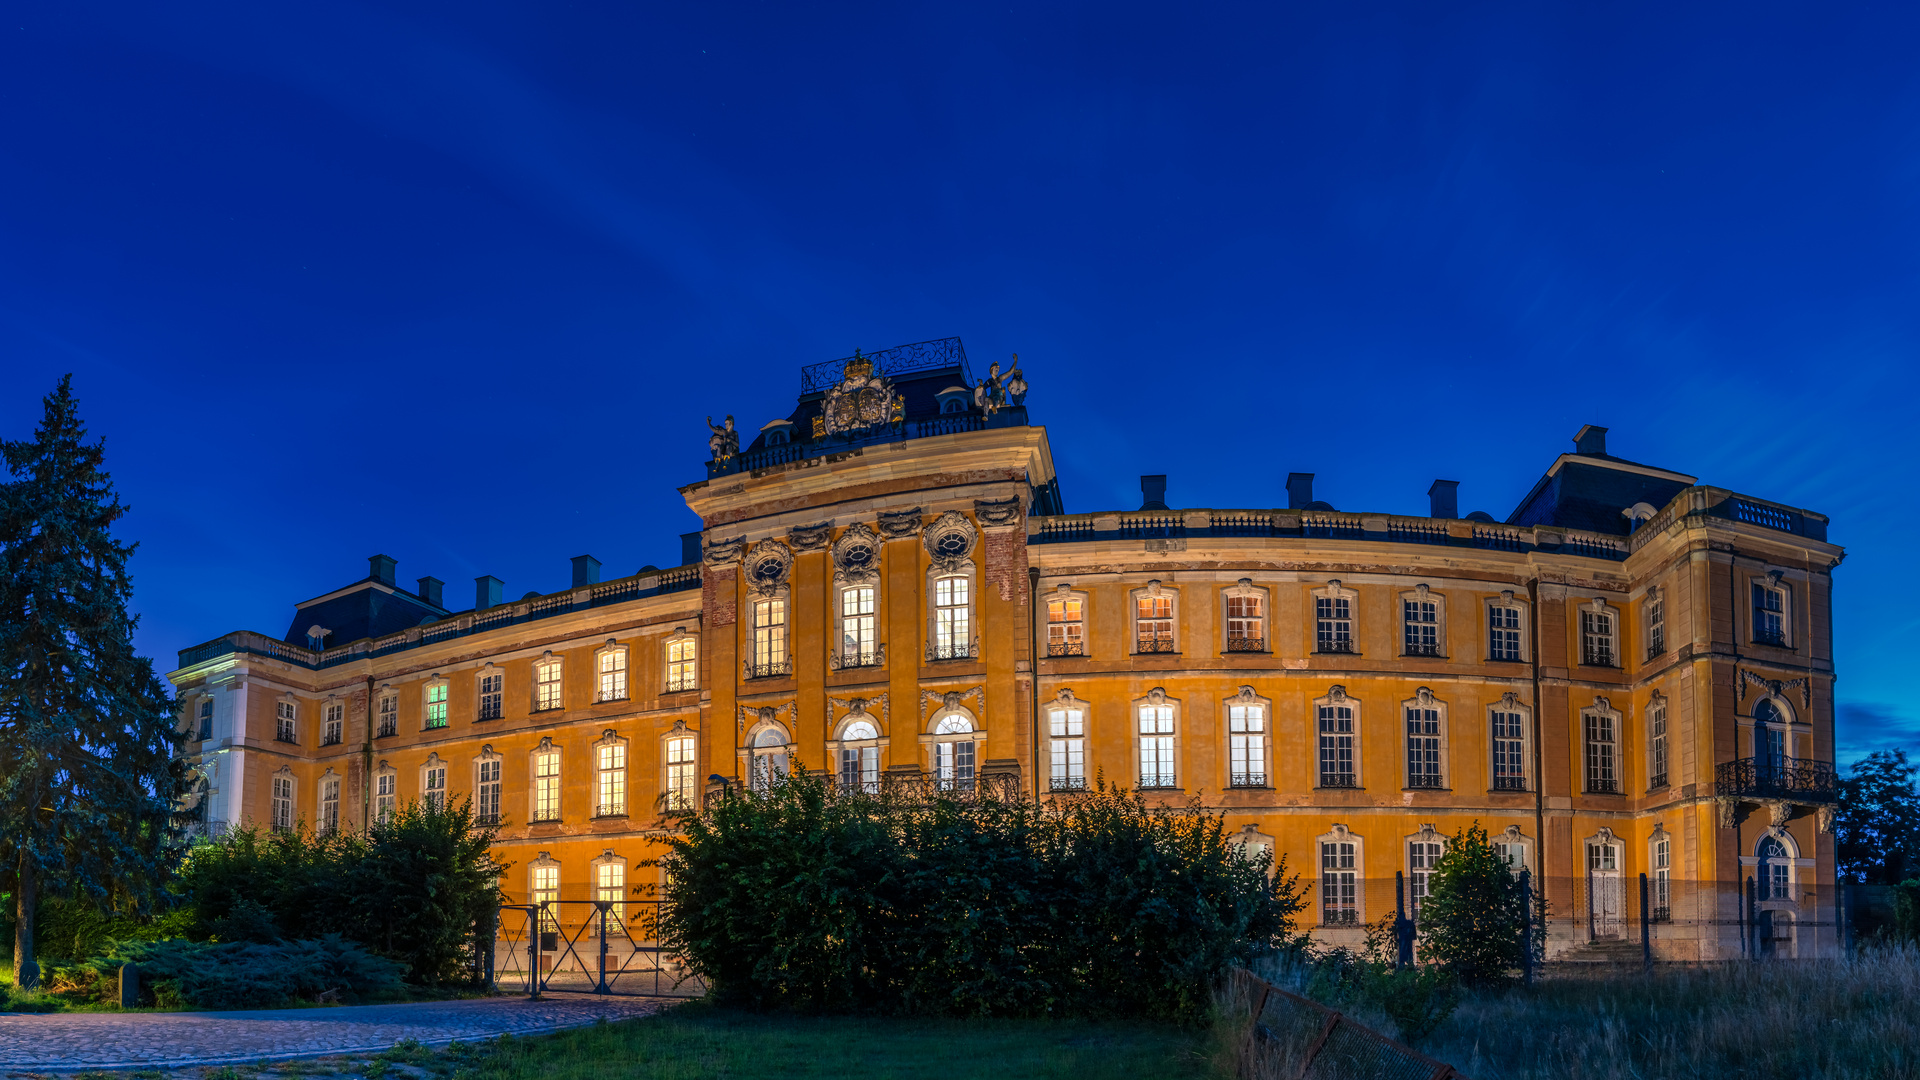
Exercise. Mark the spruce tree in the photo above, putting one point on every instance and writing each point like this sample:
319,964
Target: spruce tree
88,776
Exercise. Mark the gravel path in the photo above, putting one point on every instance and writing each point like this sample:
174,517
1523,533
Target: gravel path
51,1042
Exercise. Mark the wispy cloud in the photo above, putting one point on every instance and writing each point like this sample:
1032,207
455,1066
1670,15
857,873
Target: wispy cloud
1863,727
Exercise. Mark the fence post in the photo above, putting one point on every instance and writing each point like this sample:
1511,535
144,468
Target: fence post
1402,927
533,950
1646,933
1591,933
1845,916
1526,927
603,905
1753,921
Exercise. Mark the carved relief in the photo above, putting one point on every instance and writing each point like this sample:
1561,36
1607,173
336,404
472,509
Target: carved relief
1244,696
862,706
769,563
951,699
1157,696
862,399
1775,687
725,552
950,541
900,524
810,537
997,511
1337,694
856,557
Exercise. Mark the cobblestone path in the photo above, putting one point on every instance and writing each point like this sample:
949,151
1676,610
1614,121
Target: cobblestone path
50,1042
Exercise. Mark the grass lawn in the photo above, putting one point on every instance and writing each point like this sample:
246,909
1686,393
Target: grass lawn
700,1040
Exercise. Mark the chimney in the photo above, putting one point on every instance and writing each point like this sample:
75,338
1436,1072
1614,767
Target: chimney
1299,490
487,592
1591,441
429,590
1444,499
689,548
380,568
1153,492
586,570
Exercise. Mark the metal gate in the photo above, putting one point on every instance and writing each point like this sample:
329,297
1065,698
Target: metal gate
587,946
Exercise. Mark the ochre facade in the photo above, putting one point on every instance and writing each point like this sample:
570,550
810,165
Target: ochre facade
1610,689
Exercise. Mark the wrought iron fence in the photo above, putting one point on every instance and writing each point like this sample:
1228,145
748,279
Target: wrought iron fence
1797,778
610,946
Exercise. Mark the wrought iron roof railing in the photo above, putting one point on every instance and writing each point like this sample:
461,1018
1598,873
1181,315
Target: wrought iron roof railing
899,360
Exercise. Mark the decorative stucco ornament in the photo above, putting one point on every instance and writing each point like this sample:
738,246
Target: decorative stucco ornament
856,557
950,540
862,399
769,562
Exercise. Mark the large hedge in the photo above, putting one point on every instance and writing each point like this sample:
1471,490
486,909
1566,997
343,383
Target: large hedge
811,898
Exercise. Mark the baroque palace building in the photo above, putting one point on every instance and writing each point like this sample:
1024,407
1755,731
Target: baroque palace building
1631,674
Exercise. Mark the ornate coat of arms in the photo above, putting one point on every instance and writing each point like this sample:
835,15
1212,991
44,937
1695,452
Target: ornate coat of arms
861,399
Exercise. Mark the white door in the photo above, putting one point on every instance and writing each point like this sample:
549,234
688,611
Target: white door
1603,893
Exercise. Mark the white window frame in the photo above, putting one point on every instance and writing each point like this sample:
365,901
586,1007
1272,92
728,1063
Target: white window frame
1660,851
1156,741
549,683
283,807
286,720
329,803
1600,758
1153,633
1421,636
1249,737
610,673
768,754
1515,848
1653,618
1340,861
856,752
490,693
1423,743
1778,879
1775,588
435,704
769,631
543,884
1501,611
1514,736
1067,742
953,630
1599,635
488,786
1067,635
1329,622
386,792
333,722
1327,743
609,876
858,631
433,783
953,739
681,654
547,769
387,713
680,765
1247,632
1422,850
610,775
203,720
1659,743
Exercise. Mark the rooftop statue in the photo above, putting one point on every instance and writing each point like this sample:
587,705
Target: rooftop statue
998,391
725,441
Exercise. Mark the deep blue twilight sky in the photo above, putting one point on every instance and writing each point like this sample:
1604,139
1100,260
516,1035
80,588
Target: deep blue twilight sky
458,282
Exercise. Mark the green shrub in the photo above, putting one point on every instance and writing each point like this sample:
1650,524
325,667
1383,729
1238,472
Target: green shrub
1906,911
241,974
1473,914
810,898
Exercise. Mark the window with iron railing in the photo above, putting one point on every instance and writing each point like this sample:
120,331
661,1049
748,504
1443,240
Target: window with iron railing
1421,624
1247,744
546,786
769,640
546,686
1066,627
859,627
1422,857
284,730
389,716
492,696
1333,624
1601,747
283,802
333,724
1246,624
1153,624
486,792
1596,639
385,795
434,788
680,773
1067,750
1336,746
1509,751
681,656
329,806
1657,746
1339,884
952,619
1656,629
1423,747
436,705
610,768
611,663
1156,747
1660,887
1769,614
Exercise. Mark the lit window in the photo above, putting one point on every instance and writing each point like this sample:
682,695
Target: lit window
1067,752
860,765
1509,757
1333,624
385,793
610,762
283,802
610,887
1247,744
953,752
1153,624
952,619
284,730
333,727
329,804
1769,614
769,760
492,695
1662,898
858,627
1423,747
770,638
1596,638
487,792
1503,633
613,675
1600,753
1339,899
1422,857
546,785
1336,746
435,787
546,686
1066,627
1246,624
680,773
546,891
681,653
389,715
1156,747
1657,744
1422,624
437,705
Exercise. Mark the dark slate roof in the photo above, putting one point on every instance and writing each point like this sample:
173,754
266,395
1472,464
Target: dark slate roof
367,608
1589,491
920,391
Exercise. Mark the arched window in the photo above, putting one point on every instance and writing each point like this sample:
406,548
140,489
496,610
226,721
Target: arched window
768,757
953,751
1775,869
1772,738
859,754
1246,617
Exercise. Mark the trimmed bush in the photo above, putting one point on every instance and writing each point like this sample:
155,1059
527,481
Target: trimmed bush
236,975
810,898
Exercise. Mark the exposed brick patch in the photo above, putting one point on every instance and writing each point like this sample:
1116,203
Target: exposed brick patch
1006,559
717,595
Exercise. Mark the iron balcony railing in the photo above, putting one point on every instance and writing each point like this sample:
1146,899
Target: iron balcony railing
1248,779
1770,637
875,657
1656,649
1602,785
1423,648
953,650
1150,781
1066,648
1338,916
388,728
1657,781
489,710
332,739
675,686
486,819
1598,655
284,734
1338,780
1156,644
1509,783
1067,783
610,810
544,817
771,669
1790,779
1336,645
1424,780
1247,644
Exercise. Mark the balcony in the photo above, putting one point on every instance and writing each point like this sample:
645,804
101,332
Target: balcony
1341,645
388,727
1423,648
1338,780
285,734
1776,638
332,738
1785,779
1248,779
1066,648
610,810
1425,780
1509,783
953,650
1602,785
1246,644
770,669
1598,655
1067,783
675,686
1143,646
1153,781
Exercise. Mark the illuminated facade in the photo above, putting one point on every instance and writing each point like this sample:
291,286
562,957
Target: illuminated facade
1631,674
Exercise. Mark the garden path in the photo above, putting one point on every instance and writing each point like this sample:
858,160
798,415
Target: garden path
51,1042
